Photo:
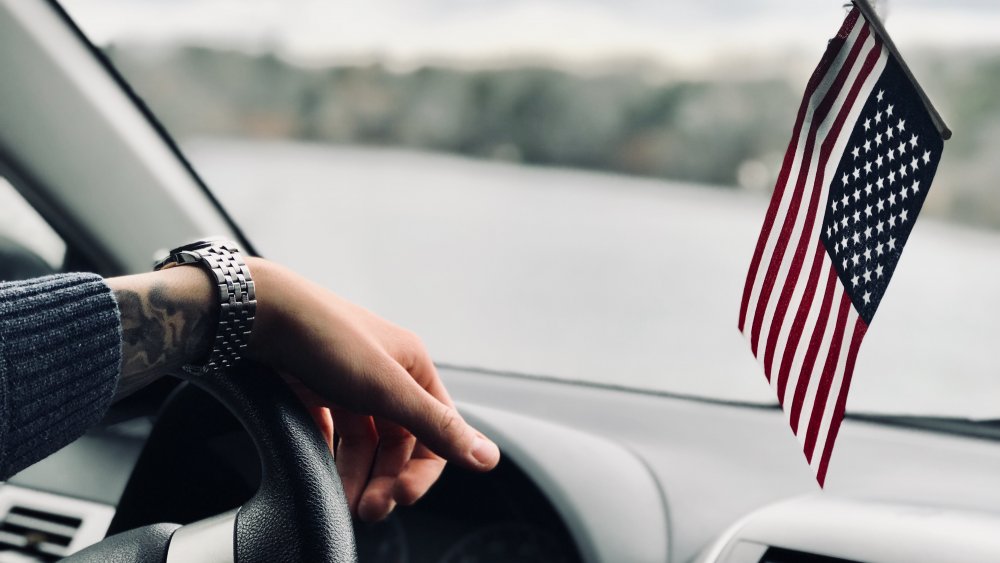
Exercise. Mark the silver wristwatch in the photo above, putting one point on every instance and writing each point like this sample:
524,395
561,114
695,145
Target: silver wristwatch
237,298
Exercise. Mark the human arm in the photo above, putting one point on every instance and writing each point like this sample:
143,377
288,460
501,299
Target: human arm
394,418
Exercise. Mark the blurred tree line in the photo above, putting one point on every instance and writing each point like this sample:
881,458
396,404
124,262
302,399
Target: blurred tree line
721,131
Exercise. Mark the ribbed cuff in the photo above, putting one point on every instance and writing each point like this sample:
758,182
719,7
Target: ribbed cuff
60,356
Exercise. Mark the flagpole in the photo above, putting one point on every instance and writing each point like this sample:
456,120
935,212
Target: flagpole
872,17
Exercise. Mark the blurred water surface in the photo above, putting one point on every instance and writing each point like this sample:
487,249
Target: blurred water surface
593,277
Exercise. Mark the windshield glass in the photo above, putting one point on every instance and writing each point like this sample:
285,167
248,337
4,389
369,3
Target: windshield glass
570,189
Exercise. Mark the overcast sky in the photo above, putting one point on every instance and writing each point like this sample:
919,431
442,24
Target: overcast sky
676,33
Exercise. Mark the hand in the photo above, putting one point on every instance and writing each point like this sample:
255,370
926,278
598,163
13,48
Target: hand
396,423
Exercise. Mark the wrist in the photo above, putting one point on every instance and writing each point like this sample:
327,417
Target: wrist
270,316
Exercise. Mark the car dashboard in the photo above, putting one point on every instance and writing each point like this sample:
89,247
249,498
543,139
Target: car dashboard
589,474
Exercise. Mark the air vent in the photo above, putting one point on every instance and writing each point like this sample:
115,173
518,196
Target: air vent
46,536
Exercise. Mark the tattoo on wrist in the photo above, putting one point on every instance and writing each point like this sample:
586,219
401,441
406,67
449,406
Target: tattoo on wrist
160,333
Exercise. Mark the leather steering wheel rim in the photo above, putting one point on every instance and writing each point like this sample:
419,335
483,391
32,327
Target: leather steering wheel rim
299,513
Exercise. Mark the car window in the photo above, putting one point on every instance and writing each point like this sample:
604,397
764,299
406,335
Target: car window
570,189
29,247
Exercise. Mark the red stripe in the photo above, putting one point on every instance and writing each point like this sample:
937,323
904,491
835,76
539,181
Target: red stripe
795,335
806,236
826,378
794,206
860,328
832,50
812,351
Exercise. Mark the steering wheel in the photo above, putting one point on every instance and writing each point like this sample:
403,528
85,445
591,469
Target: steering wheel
299,513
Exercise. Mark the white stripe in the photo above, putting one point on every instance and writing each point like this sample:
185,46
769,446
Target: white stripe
817,369
839,147
807,330
835,385
782,210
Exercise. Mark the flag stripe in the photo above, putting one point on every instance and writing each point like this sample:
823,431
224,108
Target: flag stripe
795,333
860,328
820,189
791,217
819,336
826,376
829,60
793,287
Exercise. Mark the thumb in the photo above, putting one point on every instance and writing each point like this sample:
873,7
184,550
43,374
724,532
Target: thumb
439,426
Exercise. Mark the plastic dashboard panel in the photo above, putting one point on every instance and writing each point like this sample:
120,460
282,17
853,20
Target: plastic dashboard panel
860,530
606,496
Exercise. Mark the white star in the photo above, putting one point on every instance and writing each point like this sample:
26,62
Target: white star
843,222
878,227
913,141
902,125
836,227
903,215
891,154
888,133
902,171
854,258
915,187
892,220
868,124
914,164
845,263
878,118
833,206
843,202
878,140
856,152
857,216
881,207
879,96
856,238
836,248
879,183
868,167
868,234
828,232
845,178
878,271
927,155
867,275
888,110
892,198
892,176
868,210
854,281
892,243
857,174
902,194
843,243
901,148
878,250
878,161
866,296
868,145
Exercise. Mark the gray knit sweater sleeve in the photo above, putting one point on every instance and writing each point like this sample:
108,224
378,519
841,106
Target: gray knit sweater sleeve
60,355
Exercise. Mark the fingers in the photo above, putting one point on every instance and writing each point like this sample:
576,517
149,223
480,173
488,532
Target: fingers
442,429
355,452
420,473
394,450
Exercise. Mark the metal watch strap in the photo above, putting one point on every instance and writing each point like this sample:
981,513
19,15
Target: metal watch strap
237,299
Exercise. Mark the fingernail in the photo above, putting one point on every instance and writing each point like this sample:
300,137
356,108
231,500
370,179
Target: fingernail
484,451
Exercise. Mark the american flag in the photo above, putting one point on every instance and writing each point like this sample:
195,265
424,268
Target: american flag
863,152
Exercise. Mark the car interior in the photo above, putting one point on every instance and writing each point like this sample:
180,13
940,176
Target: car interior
592,472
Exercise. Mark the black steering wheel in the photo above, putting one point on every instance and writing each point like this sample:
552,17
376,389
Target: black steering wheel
299,513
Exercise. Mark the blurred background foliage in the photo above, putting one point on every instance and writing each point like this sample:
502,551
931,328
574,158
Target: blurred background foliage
717,130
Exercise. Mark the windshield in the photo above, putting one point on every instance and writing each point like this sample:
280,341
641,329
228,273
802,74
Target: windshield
570,189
